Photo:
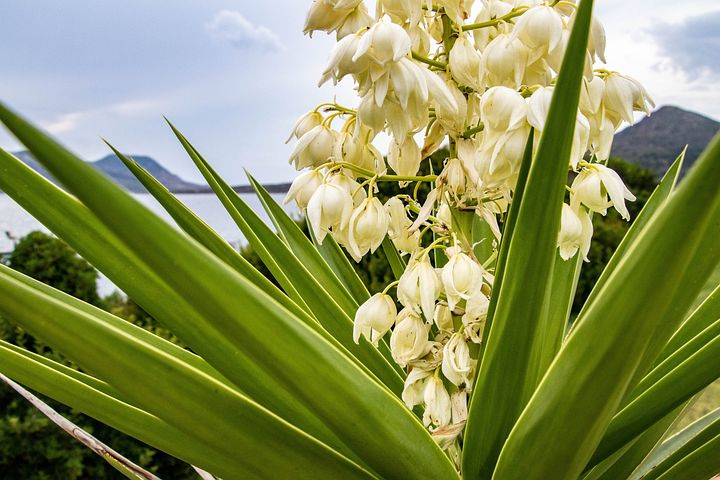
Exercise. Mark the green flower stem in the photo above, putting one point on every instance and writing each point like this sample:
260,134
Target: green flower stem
429,61
491,23
472,131
384,178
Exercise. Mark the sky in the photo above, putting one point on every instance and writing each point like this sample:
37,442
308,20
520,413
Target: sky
234,75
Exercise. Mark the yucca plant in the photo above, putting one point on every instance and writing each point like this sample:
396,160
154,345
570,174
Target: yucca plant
279,383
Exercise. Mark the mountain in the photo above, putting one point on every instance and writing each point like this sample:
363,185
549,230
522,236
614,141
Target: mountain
113,167
657,140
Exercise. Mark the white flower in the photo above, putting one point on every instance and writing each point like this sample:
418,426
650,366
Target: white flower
539,106
383,43
457,364
303,187
352,149
503,109
409,82
324,16
420,286
399,226
462,277
465,63
329,206
314,148
305,123
594,184
596,43
367,228
404,158
441,96
489,10
500,157
540,29
355,21
443,317
374,318
438,409
623,95
349,185
341,62
504,61
476,310
459,406
453,177
575,232
414,389
409,338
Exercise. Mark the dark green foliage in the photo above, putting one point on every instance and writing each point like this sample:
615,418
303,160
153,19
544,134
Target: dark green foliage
31,446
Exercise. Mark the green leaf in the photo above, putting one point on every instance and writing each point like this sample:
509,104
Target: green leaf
639,306
75,224
682,375
331,308
269,339
306,252
682,445
508,374
703,316
200,403
340,264
200,231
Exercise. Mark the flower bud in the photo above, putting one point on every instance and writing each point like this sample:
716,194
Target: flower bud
594,185
404,158
503,109
374,318
367,228
383,43
420,286
329,206
575,233
303,188
414,389
438,409
465,63
457,365
409,339
314,148
462,277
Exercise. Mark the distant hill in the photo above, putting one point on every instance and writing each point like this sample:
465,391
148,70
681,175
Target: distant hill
113,167
657,140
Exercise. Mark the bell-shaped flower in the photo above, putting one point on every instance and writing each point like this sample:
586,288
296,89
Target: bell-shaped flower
539,107
420,286
408,81
591,96
457,365
502,109
504,61
453,177
401,11
540,29
434,138
356,20
443,318
489,10
369,114
599,187
383,43
575,232
438,408
367,228
623,95
303,188
457,10
414,389
596,43
462,277
602,134
353,189
404,156
327,16
352,149
465,63
341,63
476,310
329,206
374,318
305,123
314,148
443,98
499,160
399,226
409,339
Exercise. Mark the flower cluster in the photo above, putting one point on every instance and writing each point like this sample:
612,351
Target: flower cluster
474,76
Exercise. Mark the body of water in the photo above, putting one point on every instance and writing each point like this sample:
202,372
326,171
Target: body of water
17,222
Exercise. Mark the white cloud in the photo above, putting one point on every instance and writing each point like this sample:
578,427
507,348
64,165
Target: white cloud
67,122
233,27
